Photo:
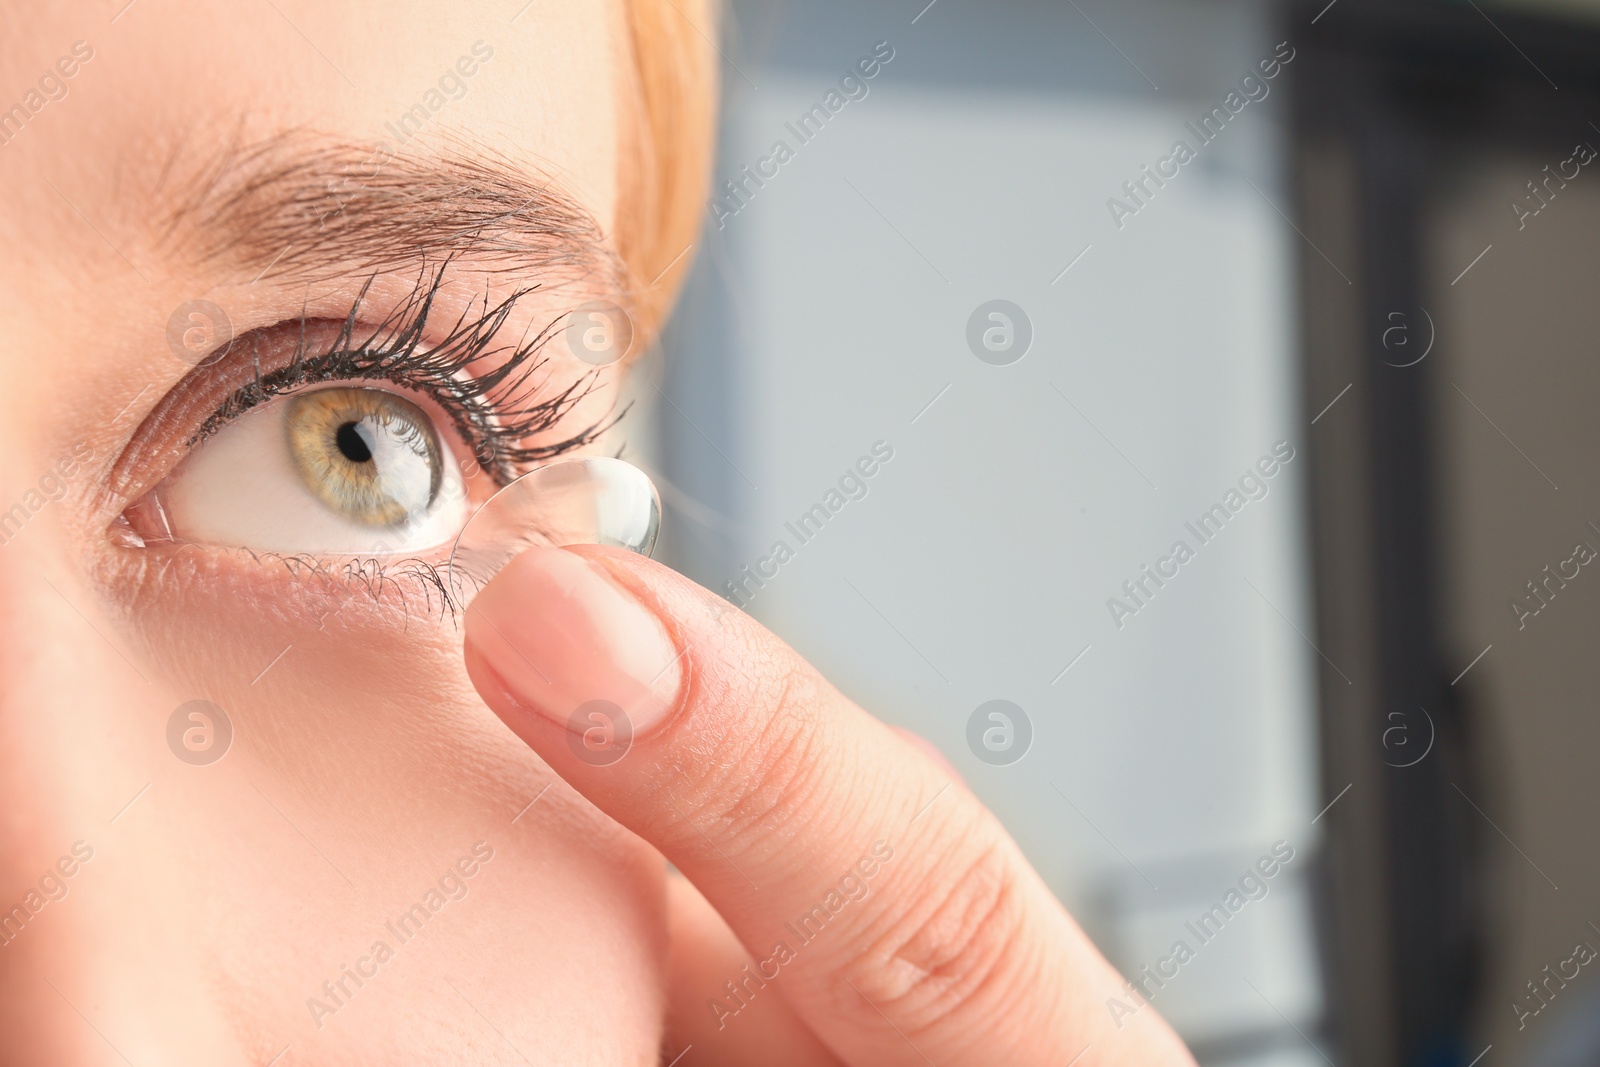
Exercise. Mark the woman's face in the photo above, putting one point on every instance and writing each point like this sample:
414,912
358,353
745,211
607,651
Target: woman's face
361,877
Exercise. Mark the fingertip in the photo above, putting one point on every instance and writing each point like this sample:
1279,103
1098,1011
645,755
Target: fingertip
562,638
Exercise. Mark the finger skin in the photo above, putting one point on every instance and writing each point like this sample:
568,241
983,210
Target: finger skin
705,956
897,916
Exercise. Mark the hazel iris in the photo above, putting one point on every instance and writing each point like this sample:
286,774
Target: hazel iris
368,454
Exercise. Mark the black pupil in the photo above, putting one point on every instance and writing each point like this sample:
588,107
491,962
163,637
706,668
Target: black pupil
352,444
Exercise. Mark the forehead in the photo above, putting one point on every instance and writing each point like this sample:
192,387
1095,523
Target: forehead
171,87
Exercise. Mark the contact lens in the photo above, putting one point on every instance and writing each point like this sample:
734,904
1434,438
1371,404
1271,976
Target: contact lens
592,500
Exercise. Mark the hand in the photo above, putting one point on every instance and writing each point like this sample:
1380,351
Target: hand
879,914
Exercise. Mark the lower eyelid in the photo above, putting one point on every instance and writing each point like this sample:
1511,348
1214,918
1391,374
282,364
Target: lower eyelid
255,596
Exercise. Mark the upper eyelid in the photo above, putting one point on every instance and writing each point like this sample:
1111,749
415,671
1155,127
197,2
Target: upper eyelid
212,393
276,384
402,330
493,398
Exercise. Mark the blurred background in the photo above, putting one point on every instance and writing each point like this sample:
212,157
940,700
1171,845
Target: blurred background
1340,346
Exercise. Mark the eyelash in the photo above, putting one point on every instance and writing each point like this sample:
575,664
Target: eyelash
492,410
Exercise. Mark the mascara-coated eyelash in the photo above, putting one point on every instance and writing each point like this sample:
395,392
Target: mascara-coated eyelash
488,390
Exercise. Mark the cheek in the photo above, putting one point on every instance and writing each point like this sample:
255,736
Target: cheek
585,928
362,766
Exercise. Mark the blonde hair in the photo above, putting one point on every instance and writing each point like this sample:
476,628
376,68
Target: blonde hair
667,148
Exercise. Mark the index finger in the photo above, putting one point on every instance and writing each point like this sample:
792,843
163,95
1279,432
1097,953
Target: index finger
876,894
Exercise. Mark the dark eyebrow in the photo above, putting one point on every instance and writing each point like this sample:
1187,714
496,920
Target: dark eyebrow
301,210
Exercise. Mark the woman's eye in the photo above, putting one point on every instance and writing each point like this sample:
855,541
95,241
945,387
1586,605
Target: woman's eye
332,471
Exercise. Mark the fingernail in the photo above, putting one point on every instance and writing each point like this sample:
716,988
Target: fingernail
561,635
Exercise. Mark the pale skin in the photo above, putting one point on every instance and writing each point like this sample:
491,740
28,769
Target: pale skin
380,740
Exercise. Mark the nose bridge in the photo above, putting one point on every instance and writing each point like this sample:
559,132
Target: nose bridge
71,700
45,671
35,639
47,605
45,612
80,836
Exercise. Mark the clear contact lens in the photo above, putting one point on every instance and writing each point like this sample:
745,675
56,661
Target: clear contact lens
592,500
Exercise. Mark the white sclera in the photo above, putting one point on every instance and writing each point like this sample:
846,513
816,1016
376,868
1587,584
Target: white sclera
593,500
